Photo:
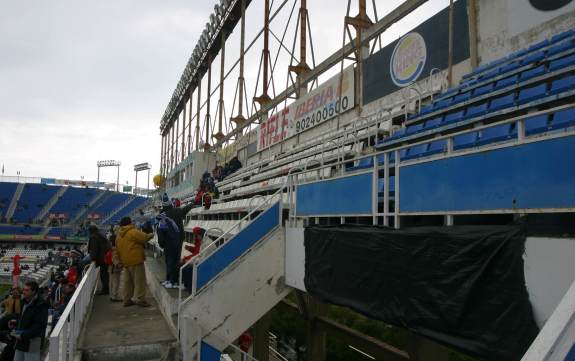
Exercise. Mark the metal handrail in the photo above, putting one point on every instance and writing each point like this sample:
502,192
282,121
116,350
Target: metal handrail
414,87
67,330
437,70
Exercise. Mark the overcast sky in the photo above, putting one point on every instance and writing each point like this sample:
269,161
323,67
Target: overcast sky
82,81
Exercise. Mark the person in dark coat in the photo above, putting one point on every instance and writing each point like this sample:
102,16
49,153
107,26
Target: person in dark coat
171,238
30,328
98,245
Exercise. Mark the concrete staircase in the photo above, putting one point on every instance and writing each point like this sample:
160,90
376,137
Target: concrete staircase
235,285
14,202
115,211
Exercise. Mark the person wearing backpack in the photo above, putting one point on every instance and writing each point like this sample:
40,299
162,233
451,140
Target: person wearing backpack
170,232
98,246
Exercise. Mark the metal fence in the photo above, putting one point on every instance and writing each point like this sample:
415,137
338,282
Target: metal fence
64,336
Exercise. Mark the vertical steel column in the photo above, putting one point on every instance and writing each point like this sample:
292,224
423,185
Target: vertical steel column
198,118
360,23
302,67
207,144
265,98
240,119
472,13
190,117
177,135
183,132
162,155
450,47
172,146
219,135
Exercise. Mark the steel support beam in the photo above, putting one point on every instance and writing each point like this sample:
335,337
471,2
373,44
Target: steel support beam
198,117
371,33
208,119
265,98
240,119
190,118
219,135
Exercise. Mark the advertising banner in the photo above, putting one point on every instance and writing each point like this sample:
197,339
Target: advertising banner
413,56
321,104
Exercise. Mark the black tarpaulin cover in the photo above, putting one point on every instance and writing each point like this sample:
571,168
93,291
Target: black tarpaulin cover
462,286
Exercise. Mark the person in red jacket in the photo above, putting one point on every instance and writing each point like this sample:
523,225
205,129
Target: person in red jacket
194,249
16,270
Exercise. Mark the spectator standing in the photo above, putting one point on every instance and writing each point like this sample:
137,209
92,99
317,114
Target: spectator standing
98,246
31,326
130,245
171,235
16,270
115,271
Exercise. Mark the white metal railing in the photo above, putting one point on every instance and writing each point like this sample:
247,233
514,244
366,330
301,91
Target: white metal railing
64,336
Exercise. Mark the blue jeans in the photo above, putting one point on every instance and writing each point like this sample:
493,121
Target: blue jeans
26,356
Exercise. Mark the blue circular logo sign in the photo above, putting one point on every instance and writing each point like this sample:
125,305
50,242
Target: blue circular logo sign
408,59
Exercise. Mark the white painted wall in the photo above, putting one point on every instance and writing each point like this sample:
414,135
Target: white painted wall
505,26
549,271
295,258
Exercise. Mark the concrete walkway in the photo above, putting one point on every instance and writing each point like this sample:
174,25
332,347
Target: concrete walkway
114,332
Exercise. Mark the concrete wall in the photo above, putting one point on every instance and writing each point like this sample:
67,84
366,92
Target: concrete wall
505,26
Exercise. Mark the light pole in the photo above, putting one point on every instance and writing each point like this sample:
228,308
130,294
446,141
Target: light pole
110,163
141,167
18,174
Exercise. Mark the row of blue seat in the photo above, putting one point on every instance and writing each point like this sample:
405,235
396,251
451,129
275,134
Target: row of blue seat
524,52
562,119
524,96
488,87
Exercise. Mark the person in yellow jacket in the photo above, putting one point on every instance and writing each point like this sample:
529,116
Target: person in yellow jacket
13,304
130,243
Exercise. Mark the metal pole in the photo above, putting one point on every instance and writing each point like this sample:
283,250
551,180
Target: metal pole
266,51
190,123
472,11
148,187
450,49
118,179
198,115
183,133
219,135
207,145
176,131
136,183
242,53
98,174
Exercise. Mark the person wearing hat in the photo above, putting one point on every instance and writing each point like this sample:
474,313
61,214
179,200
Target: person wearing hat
130,244
188,272
98,245
170,232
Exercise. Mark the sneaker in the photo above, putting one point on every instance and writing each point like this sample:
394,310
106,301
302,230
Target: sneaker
167,284
173,286
163,283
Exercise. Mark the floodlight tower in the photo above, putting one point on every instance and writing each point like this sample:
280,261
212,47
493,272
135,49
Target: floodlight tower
110,163
141,167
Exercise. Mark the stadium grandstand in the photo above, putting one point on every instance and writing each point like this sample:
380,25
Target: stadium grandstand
404,198
35,211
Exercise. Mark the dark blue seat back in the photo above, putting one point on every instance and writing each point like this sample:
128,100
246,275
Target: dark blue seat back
497,133
562,62
563,119
502,102
561,85
532,73
537,124
453,117
464,141
532,93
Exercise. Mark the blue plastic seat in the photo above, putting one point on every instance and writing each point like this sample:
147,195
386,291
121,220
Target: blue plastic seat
516,54
461,97
532,73
398,133
489,74
436,147
563,119
562,62
443,103
502,102
414,128
561,85
532,93
561,47
502,83
538,45
509,67
415,151
453,117
497,133
476,111
537,124
464,141
561,36
433,123
533,58
426,109
483,90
